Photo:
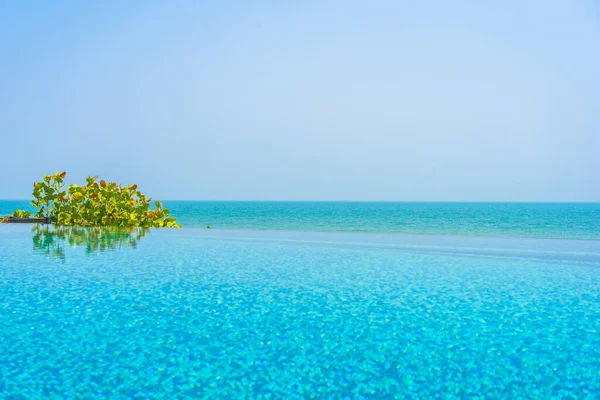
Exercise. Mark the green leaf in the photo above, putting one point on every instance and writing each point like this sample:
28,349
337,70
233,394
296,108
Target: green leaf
96,204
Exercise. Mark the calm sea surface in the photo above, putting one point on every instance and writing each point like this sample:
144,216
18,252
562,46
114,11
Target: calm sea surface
537,220
306,300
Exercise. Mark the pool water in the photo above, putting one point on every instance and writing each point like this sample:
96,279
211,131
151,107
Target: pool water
196,313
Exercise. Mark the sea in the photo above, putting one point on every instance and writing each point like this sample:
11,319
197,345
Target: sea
306,300
502,219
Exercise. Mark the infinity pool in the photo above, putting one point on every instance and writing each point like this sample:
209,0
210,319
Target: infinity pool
189,313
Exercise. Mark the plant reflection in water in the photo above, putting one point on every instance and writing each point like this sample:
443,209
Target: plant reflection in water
51,240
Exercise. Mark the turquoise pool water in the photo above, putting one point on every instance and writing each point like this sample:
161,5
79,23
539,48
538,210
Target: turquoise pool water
195,313
543,220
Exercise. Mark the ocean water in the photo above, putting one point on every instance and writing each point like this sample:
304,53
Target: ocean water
221,314
536,220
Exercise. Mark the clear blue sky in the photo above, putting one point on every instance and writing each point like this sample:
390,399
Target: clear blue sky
324,100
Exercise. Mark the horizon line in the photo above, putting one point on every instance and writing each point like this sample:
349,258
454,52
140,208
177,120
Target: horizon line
371,201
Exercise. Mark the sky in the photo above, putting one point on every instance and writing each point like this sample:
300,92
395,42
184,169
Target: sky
312,100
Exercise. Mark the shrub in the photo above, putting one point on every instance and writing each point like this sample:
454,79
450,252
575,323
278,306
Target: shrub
97,204
21,214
